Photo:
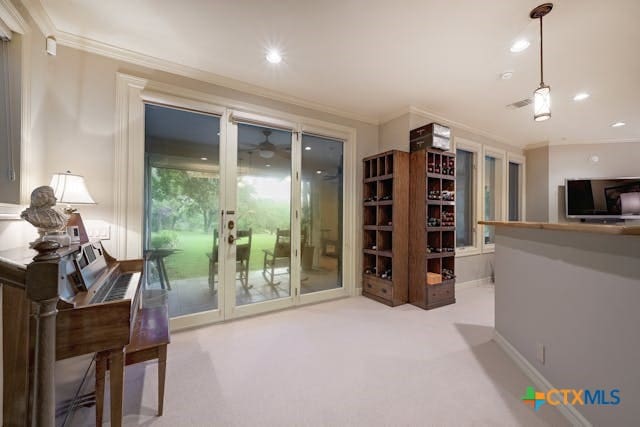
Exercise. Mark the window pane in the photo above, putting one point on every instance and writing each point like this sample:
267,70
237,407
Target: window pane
464,198
492,195
321,221
514,191
263,217
182,208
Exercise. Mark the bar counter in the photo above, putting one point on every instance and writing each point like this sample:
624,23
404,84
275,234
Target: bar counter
573,289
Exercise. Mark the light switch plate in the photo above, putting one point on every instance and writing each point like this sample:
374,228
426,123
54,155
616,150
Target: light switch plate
540,353
98,230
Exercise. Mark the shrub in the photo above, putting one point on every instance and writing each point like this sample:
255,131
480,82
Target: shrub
164,239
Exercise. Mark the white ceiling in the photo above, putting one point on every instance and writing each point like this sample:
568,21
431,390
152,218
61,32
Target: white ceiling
374,58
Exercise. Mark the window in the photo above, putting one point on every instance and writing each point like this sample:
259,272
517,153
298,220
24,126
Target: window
514,192
464,198
490,187
493,192
516,188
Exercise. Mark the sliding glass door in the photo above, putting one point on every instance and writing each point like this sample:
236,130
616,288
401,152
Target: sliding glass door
240,217
321,221
182,155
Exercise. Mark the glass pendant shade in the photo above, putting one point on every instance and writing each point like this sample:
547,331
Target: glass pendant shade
542,103
266,154
71,189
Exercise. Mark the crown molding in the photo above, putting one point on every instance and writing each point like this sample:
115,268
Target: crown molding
597,141
12,17
582,142
535,145
392,116
443,120
40,16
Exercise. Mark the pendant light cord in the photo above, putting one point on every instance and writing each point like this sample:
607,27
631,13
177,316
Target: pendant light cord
541,56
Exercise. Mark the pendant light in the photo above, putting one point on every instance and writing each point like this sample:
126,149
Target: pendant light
542,95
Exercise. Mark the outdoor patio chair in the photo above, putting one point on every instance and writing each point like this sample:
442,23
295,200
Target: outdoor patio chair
243,255
272,258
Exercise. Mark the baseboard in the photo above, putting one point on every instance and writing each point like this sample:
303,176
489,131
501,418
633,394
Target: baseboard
358,291
539,381
473,283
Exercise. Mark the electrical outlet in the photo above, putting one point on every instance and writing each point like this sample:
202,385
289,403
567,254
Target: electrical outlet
540,353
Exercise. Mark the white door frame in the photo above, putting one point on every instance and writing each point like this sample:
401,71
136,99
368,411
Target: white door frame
131,94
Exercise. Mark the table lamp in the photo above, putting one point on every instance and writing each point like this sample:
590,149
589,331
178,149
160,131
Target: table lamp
71,189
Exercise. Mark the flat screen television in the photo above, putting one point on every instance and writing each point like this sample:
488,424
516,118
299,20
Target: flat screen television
603,198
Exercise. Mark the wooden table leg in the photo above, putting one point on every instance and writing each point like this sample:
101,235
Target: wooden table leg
162,373
116,366
101,371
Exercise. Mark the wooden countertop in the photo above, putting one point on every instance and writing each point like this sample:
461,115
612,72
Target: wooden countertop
570,226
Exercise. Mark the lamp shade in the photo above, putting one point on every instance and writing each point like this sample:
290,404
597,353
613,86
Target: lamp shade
542,103
71,189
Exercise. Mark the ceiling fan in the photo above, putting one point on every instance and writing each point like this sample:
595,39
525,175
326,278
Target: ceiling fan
266,149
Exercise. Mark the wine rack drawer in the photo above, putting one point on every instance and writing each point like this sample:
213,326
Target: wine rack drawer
378,287
441,294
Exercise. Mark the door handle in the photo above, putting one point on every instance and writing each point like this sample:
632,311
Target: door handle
231,239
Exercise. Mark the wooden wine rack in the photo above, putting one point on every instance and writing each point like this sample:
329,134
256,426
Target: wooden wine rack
432,214
385,221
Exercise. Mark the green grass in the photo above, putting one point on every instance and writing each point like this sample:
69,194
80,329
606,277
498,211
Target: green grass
193,261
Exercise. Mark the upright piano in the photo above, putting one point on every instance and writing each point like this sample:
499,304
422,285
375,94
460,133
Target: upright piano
68,302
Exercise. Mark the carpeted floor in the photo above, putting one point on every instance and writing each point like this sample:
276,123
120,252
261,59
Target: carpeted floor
348,362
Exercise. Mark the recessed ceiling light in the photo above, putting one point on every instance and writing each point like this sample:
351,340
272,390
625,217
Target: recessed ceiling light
307,148
581,96
267,165
203,158
506,75
519,45
318,172
274,56
618,124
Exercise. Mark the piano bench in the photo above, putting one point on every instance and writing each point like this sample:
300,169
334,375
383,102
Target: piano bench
149,340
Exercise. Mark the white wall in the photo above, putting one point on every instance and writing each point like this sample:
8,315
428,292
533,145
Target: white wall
574,161
538,184
394,134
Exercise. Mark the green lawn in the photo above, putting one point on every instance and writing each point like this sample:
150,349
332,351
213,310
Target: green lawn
193,260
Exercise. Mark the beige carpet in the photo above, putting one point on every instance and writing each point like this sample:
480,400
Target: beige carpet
348,362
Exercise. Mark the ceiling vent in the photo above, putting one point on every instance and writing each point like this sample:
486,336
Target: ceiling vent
520,104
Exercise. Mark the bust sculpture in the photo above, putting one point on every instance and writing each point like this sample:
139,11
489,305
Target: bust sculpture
42,215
